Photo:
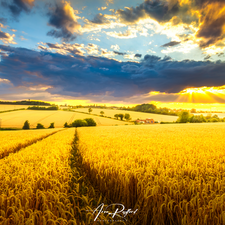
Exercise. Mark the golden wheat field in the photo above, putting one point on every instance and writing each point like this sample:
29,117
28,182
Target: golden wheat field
16,119
38,185
134,115
173,174
12,141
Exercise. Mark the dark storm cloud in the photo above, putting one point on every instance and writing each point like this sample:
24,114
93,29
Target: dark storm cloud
18,6
96,76
160,10
62,18
170,44
99,19
138,55
119,53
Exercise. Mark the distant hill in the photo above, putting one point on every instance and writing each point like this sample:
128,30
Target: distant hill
24,103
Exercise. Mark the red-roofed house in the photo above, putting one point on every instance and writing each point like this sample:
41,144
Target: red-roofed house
146,121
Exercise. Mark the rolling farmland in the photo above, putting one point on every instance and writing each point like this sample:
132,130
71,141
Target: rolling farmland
16,119
134,115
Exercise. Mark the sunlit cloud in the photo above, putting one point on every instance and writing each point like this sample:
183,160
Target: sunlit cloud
63,18
124,35
7,38
115,47
203,95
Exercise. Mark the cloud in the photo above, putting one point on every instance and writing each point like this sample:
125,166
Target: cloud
7,38
16,7
115,47
207,57
100,19
77,49
64,20
172,43
109,2
65,48
4,81
206,16
125,35
98,78
102,8
221,54
100,22
212,28
119,53
160,11
138,55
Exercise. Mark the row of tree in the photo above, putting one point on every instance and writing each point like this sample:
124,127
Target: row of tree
126,116
26,125
54,107
151,108
81,123
185,117
24,103
76,123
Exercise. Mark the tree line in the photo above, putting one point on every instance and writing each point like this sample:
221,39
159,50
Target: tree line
151,108
76,123
26,125
55,107
24,103
186,117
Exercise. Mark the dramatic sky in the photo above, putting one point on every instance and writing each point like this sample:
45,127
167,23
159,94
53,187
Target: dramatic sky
170,52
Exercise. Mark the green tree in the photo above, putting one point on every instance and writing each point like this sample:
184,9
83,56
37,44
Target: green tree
197,119
90,122
116,115
121,116
214,120
26,125
52,125
90,110
66,124
79,123
209,116
102,113
183,117
216,116
40,126
127,116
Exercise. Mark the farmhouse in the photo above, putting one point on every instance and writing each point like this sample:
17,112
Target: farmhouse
146,121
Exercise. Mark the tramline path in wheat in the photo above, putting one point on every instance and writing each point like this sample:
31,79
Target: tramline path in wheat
38,185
